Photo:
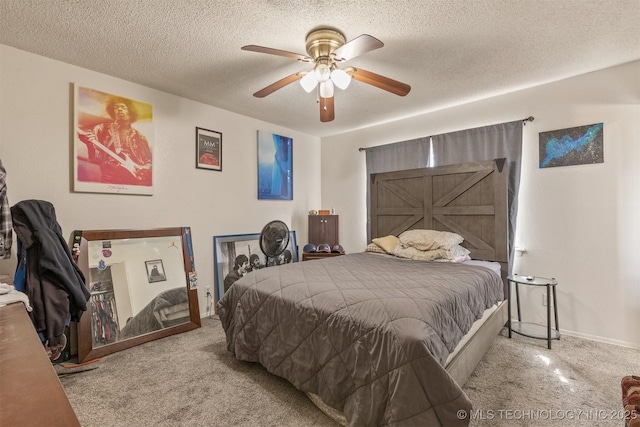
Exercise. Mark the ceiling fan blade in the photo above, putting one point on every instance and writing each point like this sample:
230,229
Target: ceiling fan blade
327,112
271,51
278,85
361,44
379,81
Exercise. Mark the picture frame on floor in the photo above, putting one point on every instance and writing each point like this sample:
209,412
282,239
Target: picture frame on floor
237,254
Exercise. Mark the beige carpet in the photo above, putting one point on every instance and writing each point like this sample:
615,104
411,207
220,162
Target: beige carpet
191,380
520,382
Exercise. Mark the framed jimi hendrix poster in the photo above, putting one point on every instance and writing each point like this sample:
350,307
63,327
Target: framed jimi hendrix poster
113,140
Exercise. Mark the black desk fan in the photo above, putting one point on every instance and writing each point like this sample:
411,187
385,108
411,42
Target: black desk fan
274,239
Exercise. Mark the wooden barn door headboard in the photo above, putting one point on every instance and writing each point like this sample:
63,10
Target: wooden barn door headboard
469,199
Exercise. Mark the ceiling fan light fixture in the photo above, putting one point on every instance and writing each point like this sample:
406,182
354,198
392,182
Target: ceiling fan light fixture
309,82
326,89
340,78
322,72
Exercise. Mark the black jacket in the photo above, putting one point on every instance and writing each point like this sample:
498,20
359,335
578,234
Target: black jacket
54,283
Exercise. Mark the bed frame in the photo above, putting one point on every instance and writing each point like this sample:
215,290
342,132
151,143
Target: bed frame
468,199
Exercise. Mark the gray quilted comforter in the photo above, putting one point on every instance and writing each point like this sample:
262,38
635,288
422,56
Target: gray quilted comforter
369,334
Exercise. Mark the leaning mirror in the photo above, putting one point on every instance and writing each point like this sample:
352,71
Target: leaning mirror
142,287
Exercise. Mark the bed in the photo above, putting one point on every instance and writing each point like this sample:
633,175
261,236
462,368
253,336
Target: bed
381,340
169,308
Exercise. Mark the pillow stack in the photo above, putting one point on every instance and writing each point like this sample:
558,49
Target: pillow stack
423,245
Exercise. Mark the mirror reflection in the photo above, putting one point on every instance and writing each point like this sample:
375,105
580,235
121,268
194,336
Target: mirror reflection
139,285
130,294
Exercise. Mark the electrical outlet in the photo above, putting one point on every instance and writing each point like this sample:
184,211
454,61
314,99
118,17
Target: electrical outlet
544,299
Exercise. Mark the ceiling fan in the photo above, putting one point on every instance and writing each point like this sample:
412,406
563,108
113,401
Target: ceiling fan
326,49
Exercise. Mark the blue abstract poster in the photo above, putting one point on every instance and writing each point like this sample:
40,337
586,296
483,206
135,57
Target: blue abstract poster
573,146
275,166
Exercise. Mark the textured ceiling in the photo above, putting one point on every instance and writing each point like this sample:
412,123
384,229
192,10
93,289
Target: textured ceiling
449,51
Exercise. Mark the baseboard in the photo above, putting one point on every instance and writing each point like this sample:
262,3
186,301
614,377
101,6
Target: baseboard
619,343
596,338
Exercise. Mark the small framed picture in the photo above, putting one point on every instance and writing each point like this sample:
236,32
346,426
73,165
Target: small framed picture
155,271
208,149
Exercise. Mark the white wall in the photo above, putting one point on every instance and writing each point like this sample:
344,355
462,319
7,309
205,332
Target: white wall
579,224
36,112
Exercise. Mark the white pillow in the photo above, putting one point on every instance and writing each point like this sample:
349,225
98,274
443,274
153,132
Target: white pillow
458,251
456,254
416,254
427,240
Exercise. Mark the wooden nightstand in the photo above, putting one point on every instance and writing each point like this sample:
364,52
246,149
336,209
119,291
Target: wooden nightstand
308,256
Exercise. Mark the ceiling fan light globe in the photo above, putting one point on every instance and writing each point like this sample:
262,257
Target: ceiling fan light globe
309,82
326,89
322,72
340,78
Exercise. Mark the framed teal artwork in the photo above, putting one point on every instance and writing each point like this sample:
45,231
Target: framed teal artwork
572,146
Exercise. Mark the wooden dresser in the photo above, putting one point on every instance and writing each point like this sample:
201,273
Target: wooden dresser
323,229
30,391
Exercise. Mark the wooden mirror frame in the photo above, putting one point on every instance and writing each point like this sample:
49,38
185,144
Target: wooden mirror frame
85,343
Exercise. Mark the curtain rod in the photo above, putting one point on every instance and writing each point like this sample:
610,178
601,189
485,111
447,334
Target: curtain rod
524,123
